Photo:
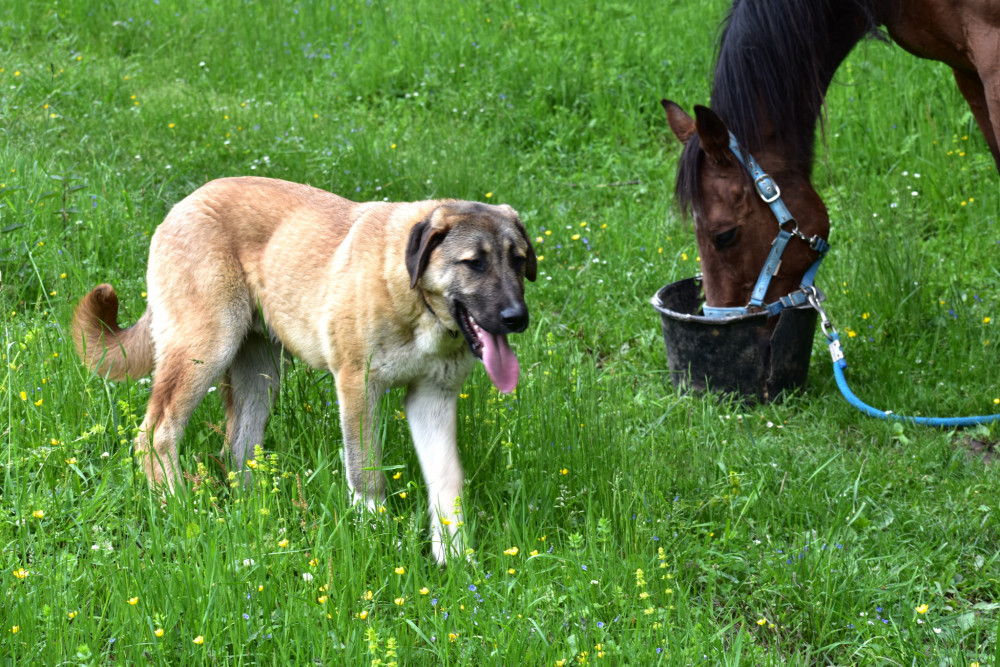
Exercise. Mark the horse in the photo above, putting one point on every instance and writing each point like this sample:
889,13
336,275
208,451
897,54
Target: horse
775,61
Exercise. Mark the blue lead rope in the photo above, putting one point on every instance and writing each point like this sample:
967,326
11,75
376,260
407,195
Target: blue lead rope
839,364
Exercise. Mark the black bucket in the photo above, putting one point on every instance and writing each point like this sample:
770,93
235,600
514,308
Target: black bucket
724,354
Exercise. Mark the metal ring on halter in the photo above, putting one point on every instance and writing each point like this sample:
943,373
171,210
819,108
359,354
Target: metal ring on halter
812,295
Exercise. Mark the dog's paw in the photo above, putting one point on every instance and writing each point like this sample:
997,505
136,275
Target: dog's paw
443,556
367,501
368,512
450,547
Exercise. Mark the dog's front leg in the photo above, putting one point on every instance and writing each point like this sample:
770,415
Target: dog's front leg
431,412
359,419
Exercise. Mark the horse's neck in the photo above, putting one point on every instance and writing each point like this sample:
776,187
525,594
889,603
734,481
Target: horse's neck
776,61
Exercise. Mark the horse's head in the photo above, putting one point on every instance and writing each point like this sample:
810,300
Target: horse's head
734,227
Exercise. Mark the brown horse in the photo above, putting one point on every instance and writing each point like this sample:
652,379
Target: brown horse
775,62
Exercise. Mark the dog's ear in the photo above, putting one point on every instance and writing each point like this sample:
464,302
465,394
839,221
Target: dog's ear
424,237
531,266
531,261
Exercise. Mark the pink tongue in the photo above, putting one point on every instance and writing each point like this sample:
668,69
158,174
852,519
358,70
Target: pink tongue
500,360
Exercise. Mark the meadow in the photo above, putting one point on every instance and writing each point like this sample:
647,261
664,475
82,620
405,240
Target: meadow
612,518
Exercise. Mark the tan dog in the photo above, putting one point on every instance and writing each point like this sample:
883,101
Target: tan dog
380,294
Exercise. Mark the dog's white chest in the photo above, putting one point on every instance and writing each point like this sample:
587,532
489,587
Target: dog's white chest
432,355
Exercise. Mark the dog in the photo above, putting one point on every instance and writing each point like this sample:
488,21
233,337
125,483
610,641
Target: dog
245,271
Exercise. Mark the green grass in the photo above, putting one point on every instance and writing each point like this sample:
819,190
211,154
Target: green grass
831,526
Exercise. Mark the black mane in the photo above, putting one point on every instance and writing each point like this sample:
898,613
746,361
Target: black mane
775,60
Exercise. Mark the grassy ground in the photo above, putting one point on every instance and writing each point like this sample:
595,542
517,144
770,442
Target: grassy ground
613,519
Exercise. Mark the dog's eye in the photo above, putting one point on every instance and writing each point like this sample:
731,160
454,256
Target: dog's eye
476,264
517,261
726,238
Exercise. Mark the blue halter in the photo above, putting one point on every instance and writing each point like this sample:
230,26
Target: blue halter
771,194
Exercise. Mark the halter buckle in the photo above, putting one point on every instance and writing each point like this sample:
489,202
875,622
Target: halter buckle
763,188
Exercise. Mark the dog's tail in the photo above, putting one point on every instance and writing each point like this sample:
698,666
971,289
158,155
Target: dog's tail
104,347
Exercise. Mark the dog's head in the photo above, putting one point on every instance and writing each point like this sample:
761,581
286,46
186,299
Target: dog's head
474,258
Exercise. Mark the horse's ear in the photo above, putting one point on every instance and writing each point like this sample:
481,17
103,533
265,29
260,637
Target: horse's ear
681,124
712,133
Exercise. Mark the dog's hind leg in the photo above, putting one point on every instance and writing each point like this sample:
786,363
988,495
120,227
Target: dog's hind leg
431,411
202,311
359,420
182,378
249,391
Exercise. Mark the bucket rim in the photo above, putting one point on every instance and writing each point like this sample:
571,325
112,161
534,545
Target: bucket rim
657,303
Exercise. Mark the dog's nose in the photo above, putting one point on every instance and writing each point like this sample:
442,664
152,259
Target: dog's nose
515,317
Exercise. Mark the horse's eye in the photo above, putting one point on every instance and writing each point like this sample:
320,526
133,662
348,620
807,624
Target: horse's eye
724,239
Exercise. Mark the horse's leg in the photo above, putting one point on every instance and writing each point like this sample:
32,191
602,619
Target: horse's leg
984,109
